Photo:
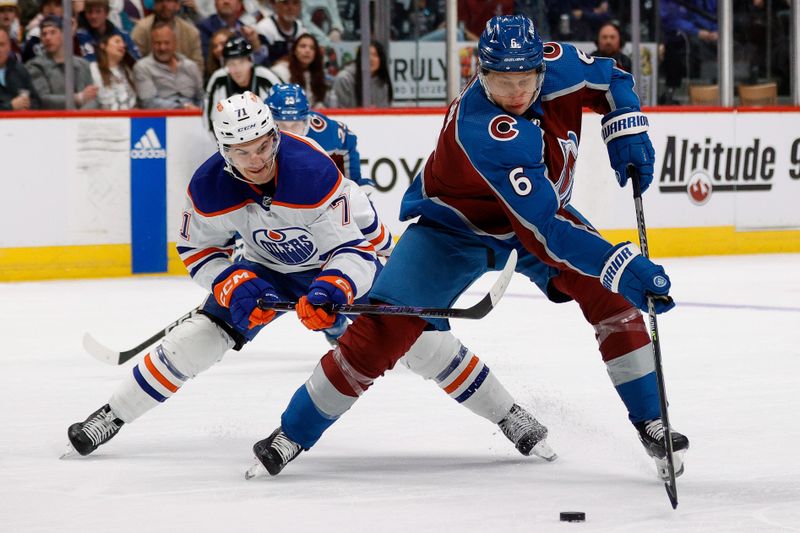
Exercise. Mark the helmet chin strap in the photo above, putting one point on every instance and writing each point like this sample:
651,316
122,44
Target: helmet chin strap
233,171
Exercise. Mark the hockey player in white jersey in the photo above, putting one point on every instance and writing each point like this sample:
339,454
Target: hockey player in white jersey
296,214
309,234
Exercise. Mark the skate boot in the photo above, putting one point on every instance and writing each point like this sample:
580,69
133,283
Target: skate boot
273,453
333,333
651,434
86,436
527,434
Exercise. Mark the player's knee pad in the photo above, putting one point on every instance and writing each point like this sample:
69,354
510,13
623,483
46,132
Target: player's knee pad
187,350
621,333
195,345
432,353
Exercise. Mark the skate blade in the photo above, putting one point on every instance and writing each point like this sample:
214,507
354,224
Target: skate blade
69,453
543,450
257,470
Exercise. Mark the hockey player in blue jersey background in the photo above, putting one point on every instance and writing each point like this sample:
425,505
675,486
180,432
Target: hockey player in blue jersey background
500,178
292,112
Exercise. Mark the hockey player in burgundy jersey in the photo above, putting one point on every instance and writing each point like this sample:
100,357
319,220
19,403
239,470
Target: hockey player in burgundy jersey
500,178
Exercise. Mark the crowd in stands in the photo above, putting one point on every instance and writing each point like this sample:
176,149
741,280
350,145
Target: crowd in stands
176,54
173,54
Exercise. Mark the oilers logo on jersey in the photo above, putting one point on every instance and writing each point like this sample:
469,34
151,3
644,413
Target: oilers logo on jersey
290,246
501,128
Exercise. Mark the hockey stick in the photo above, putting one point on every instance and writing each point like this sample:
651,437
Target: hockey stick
112,357
672,488
479,310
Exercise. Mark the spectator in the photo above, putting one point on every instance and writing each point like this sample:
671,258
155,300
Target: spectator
33,42
347,90
689,29
187,35
303,66
586,18
609,44
93,24
215,48
227,15
16,89
47,71
281,30
113,74
238,75
322,20
166,79
9,21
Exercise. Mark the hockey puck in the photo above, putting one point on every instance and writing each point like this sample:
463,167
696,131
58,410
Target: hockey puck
572,516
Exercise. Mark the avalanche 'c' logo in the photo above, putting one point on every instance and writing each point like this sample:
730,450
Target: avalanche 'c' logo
317,123
552,51
290,246
569,153
501,128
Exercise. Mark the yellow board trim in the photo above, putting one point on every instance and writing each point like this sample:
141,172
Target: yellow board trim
715,240
114,260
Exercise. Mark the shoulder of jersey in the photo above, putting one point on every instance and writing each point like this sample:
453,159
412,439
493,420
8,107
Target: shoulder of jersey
565,65
213,191
306,175
323,129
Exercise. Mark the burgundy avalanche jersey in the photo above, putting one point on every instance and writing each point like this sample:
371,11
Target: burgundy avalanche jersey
504,176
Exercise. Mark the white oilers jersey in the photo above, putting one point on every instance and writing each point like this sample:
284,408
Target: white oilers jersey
304,221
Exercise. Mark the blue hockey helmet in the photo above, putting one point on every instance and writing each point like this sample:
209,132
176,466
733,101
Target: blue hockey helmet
288,102
510,44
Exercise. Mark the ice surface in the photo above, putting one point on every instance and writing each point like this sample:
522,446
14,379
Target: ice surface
406,457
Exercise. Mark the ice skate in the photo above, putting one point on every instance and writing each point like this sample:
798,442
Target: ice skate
272,454
651,434
527,433
99,428
333,333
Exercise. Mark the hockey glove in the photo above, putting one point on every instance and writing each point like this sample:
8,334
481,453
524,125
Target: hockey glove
325,290
625,134
239,289
635,277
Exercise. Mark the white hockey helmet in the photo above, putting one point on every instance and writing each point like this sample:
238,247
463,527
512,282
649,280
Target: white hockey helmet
240,119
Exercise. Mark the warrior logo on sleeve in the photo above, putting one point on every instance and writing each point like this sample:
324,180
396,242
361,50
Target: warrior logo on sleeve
290,246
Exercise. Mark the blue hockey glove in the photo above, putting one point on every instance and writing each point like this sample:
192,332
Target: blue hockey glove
239,289
634,276
326,289
625,134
